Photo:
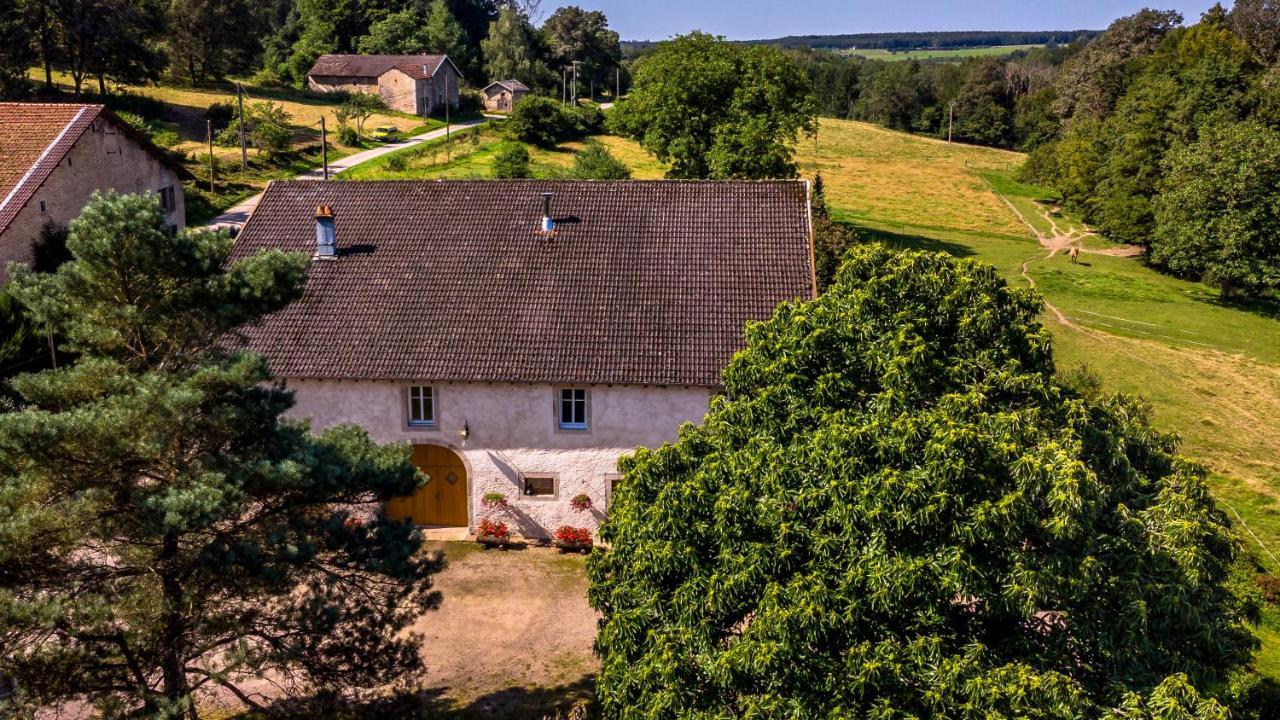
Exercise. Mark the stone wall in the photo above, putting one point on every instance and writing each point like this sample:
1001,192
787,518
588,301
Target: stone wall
514,433
102,159
403,93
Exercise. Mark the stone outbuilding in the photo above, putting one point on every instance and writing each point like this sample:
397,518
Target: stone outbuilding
54,156
504,95
415,84
523,336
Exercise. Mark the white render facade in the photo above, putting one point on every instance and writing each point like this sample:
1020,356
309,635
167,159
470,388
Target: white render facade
513,434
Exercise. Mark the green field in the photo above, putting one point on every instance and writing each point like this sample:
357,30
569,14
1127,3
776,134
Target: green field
937,53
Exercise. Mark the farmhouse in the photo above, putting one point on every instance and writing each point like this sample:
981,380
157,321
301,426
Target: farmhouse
504,95
54,156
416,84
523,335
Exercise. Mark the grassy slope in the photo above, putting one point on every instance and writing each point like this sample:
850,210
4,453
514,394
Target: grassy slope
183,110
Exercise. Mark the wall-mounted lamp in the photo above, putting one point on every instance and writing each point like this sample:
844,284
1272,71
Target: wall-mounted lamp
466,430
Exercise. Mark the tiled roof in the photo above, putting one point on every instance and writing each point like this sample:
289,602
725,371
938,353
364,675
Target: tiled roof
512,85
35,137
374,65
643,282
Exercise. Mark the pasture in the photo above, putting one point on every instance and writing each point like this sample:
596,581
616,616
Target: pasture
940,54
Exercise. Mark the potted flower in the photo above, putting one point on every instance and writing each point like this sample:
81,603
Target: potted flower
493,534
494,501
580,502
573,539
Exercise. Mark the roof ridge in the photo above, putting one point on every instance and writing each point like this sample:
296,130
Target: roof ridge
41,169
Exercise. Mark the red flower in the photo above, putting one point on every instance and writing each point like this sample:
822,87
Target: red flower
489,528
579,503
573,536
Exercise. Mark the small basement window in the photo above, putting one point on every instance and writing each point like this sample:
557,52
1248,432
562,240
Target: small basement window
535,486
573,409
43,209
422,406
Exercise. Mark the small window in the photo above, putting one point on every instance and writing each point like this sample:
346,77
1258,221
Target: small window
573,409
42,207
422,406
539,487
167,201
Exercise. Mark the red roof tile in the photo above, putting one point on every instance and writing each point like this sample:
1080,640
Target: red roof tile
642,282
35,137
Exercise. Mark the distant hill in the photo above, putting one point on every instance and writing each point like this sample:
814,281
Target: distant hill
941,40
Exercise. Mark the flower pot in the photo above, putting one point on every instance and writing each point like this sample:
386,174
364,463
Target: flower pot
579,547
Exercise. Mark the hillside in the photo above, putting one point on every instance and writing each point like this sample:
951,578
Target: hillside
1211,372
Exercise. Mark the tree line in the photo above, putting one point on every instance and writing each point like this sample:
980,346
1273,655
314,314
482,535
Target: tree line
931,40
1159,133
199,41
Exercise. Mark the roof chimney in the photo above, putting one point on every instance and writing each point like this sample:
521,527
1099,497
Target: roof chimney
326,233
548,225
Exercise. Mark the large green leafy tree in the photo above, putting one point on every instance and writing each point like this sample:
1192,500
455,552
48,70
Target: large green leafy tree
510,50
209,38
162,530
714,109
573,34
896,509
1218,217
17,51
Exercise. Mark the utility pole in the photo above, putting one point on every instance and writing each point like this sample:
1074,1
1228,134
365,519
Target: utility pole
564,85
244,149
448,150
324,148
208,133
951,119
617,79
575,83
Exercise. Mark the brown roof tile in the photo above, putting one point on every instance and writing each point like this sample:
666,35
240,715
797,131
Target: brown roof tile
372,66
642,283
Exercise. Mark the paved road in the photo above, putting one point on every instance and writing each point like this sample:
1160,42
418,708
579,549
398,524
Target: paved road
238,214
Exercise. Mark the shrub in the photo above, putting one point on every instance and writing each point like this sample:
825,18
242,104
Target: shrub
494,501
220,112
396,163
580,502
347,135
568,535
267,77
491,529
1270,586
270,138
595,162
545,122
470,101
512,162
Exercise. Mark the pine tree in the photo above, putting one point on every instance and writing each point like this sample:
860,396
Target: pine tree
445,35
162,529
831,240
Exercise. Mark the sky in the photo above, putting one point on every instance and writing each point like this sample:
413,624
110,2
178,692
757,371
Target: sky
757,19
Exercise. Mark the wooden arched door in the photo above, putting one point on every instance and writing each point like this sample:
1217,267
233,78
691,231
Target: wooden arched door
443,500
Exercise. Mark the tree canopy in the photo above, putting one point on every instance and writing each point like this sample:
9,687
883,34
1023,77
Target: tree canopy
162,529
1218,217
713,109
896,508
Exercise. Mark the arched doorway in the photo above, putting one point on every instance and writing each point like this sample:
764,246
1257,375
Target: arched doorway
443,500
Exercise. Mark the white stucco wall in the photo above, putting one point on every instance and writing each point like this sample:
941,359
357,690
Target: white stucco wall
514,432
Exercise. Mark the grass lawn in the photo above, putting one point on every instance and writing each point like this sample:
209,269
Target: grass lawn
471,155
955,54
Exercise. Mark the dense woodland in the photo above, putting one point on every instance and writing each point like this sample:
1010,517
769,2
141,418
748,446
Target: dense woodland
107,42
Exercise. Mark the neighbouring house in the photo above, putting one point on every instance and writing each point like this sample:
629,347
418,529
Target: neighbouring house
504,95
416,84
54,156
523,335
